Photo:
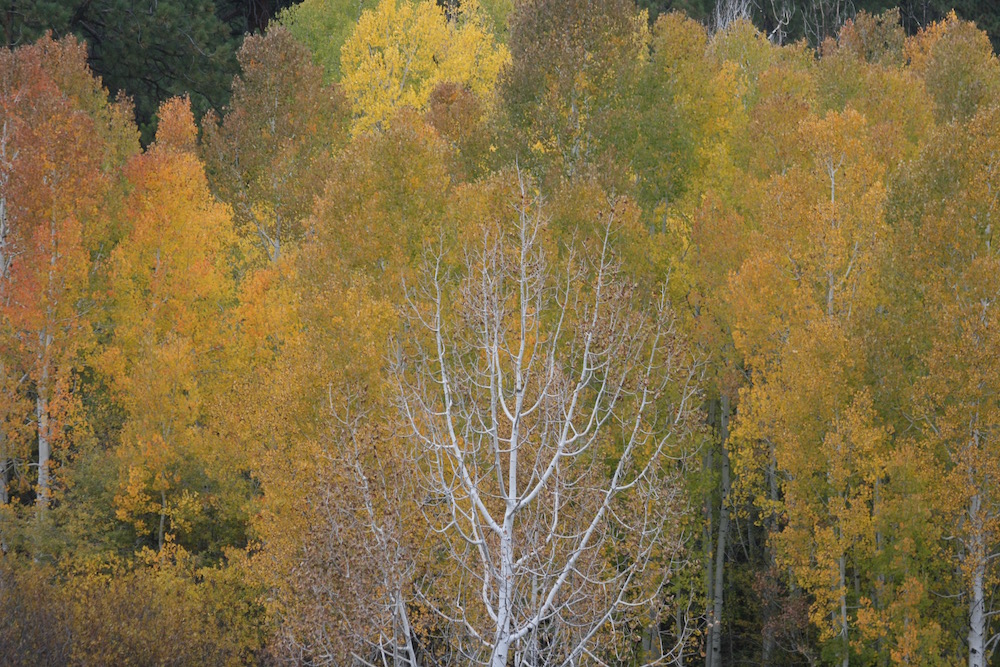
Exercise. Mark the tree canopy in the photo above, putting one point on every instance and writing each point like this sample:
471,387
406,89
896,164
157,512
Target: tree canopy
577,332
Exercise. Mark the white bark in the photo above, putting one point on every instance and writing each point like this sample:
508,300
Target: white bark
977,618
44,442
728,12
7,254
545,409
977,577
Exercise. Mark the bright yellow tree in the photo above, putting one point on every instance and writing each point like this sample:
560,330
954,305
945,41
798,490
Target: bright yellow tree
955,272
799,298
401,49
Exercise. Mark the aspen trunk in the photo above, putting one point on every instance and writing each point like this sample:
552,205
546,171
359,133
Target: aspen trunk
708,569
846,659
532,652
977,598
44,449
767,652
977,618
163,519
404,628
707,464
42,421
772,486
501,646
4,469
720,552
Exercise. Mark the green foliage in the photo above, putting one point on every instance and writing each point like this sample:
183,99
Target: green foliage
150,50
323,27
571,81
268,156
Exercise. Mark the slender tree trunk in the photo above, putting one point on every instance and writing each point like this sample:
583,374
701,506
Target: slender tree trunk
42,422
977,597
720,552
163,519
4,469
708,570
532,650
767,652
501,646
772,490
845,660
404,627
44,448
707,464
977,619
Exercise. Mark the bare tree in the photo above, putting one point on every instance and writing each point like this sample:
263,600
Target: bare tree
358,560
782,16
728,12
551,410
825,18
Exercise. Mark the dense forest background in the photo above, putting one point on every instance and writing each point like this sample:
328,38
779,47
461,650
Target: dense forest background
155,49
501,332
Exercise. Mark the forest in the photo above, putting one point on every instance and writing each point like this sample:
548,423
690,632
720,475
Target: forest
516,333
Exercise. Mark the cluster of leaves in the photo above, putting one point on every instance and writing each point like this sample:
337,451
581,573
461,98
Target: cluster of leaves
214,351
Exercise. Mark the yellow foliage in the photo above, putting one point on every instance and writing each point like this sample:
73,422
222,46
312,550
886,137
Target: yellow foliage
169,286
160,610
402,49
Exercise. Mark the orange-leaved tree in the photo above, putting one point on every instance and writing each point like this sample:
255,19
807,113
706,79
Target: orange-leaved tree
59,139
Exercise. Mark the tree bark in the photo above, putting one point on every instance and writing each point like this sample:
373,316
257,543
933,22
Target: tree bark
977,598
404,627
720,552
977,620
772,489
501,646
44,449
163,519
42,422
4,469
845,660
707,465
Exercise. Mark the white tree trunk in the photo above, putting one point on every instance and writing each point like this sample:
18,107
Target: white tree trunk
44,449
977,618
404,628
501,645
715,651
4,469
563,358
845,660
977,599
